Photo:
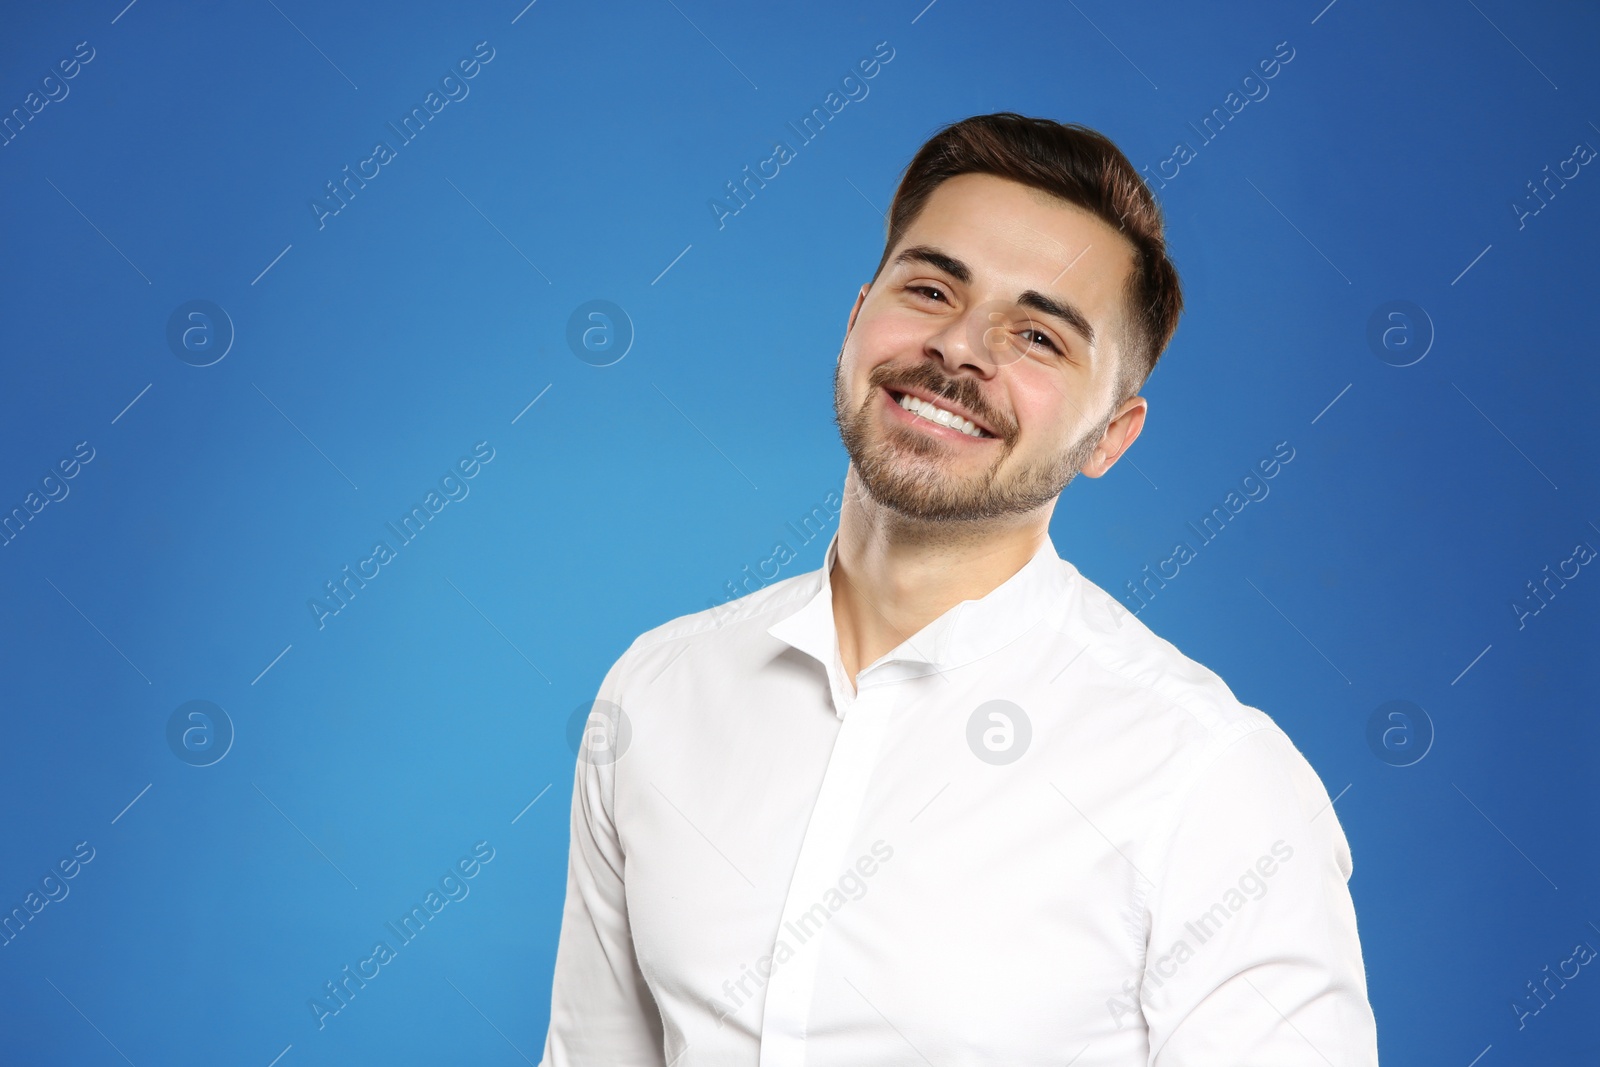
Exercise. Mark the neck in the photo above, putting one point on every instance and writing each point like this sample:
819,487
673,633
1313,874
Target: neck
893,575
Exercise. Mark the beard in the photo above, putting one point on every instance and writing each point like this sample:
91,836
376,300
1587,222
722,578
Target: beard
910,472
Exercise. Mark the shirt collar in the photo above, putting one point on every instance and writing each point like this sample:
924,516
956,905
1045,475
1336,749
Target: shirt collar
966,632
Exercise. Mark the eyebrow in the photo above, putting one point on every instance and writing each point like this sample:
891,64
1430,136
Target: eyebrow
1032,298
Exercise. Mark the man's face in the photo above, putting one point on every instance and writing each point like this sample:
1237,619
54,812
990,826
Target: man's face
986,306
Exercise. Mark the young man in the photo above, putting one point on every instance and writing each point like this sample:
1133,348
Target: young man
944,801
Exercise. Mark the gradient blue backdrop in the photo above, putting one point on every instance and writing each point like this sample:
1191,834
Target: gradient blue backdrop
374,350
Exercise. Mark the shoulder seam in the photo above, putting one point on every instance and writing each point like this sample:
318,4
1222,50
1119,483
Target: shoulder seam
1101,652
742,609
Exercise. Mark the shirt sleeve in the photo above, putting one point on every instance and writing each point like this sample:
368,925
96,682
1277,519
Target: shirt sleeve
601,1010
1253,955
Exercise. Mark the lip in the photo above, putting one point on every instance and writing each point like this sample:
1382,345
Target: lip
951,406
927,425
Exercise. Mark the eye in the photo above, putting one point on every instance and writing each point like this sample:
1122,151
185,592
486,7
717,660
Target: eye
1051,345
926,289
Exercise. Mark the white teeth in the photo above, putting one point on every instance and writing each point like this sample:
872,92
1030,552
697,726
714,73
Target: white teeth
934,413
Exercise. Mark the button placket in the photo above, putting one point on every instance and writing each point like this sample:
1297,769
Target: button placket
823,855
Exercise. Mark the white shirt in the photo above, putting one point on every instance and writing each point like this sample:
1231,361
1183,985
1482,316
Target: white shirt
1121,864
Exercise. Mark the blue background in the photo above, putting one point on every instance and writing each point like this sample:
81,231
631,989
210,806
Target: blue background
374,351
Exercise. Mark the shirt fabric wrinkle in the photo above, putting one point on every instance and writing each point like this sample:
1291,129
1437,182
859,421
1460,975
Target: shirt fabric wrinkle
812,875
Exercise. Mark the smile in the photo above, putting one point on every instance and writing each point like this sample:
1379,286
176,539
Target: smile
935,418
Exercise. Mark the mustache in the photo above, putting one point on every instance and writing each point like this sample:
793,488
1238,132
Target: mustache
961,391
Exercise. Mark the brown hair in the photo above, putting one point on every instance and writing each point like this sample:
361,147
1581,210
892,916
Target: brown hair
1083,167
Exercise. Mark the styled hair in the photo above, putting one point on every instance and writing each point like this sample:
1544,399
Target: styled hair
1082,167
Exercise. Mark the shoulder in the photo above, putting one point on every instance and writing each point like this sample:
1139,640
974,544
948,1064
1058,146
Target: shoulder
724,630
1209,746
1150,672
1187,718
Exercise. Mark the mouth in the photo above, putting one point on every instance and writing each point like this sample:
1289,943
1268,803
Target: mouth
935,419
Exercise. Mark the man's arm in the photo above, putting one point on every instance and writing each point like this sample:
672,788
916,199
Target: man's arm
601,1011
1253,954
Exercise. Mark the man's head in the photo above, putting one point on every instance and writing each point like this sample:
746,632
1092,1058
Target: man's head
1024,284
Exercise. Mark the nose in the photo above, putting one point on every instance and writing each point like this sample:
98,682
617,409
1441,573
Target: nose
978,339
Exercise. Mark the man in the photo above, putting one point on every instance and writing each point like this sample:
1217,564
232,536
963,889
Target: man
944,801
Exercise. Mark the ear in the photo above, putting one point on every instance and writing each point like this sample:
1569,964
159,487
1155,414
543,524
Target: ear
861,298
1120,434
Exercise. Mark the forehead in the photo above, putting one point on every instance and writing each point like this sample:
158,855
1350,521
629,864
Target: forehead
1016,237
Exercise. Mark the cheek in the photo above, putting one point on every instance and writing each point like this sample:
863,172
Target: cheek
874,342
1040,411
